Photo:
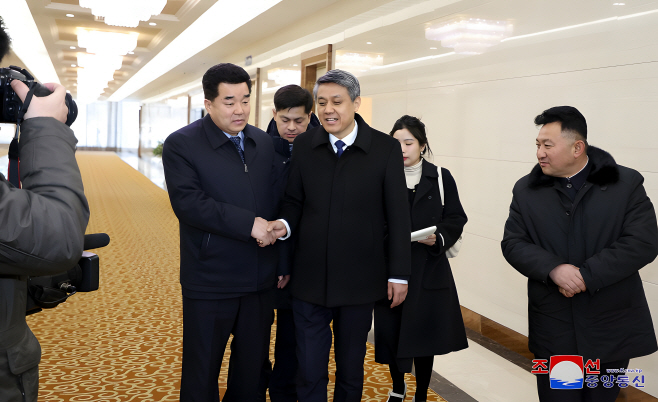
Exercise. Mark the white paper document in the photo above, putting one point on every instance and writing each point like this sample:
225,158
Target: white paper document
422,233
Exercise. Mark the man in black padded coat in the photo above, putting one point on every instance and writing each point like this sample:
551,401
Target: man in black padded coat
580,228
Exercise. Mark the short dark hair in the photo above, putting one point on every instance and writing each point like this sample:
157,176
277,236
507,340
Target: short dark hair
224,72
416,128
291,96
570,118
4,40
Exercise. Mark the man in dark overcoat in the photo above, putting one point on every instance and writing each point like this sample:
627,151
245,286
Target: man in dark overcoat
346,187
580,228
219,173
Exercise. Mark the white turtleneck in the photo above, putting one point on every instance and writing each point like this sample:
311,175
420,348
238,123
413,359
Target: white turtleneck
413,173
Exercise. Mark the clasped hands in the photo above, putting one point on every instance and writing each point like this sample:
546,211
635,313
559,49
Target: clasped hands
266,232
567,277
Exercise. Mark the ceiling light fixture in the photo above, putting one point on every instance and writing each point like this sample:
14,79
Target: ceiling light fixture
104,56
72,47
70,15
550,31
358,63
433,48
199,35
124,13
284,76
368,43
469,35
73,65
152,24
100,42
619,4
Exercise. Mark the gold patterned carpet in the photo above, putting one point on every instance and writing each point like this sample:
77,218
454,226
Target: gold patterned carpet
124,341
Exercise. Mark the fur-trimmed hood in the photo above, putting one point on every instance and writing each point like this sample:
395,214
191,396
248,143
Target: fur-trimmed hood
603,170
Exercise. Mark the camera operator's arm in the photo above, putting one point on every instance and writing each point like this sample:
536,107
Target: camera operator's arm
42,225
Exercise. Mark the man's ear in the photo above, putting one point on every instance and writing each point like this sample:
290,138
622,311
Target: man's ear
357,103
206,104
578,148
273,112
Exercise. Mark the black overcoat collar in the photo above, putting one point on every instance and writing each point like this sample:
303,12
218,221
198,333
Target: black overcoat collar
217,138
429,176
363,135
604,170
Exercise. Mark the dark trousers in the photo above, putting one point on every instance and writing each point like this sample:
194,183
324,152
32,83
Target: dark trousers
282,385
207,326
351,325
598,394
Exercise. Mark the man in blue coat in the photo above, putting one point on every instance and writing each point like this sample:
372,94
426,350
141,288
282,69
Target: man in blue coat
219,177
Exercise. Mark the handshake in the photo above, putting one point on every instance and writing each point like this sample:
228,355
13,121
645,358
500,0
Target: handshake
266,232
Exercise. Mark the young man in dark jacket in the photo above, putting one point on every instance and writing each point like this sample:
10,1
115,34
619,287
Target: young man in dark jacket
42,228
580,228
292,115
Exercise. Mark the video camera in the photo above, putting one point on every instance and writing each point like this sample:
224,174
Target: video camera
10,103
50,291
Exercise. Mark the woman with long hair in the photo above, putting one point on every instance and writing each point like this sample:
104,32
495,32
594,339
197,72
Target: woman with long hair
429,321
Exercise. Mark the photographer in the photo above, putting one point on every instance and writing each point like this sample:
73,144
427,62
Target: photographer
41,229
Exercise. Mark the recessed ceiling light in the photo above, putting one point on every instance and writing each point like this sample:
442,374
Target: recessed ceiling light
196,37
152,24
368,43
73,65
619,4
294,65
72,47
432,48
131,52
70,15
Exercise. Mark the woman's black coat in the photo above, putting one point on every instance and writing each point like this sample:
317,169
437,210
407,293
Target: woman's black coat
429,321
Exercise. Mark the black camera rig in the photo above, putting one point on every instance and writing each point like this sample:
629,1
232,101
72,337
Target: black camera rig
49,291
10,103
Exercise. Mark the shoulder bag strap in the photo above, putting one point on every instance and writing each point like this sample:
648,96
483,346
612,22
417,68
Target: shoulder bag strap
440,184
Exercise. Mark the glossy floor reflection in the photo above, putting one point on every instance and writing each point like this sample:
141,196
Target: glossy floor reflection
148,165
485,376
